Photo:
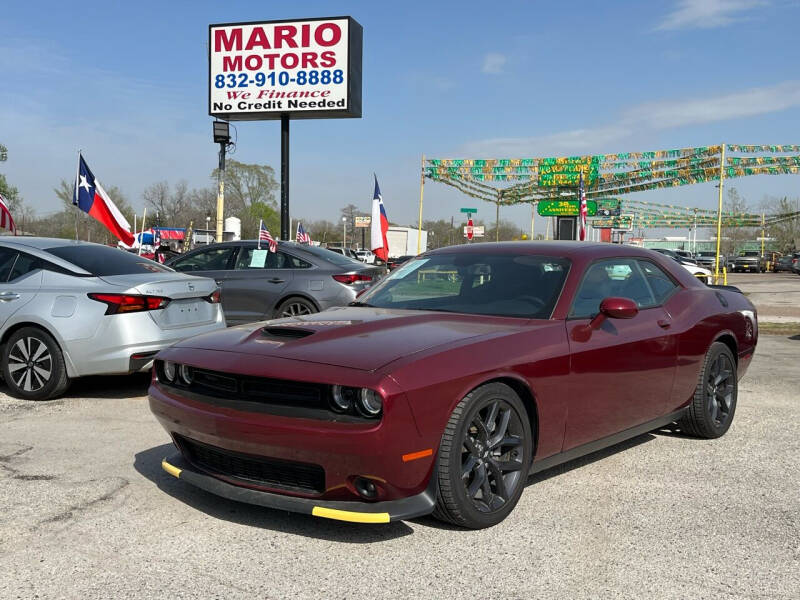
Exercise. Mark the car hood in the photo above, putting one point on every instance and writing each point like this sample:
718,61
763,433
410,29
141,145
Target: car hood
359,338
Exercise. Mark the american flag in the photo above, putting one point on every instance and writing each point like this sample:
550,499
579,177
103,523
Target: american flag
302,236
584,210
264,236
6,220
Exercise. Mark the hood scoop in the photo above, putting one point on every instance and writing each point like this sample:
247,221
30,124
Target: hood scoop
285,333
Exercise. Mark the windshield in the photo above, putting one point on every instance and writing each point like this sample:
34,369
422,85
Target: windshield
506,285
102,261
748,253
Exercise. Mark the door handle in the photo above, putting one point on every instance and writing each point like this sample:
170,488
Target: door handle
664,323
8,296
275,280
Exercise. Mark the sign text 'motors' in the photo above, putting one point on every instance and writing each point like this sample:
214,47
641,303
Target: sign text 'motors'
305,69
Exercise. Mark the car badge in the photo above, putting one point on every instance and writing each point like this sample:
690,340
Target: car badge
191,287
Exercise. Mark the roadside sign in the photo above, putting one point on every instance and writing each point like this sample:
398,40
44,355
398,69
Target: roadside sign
477,231
469,210
565,208
469,229
363,221
303,69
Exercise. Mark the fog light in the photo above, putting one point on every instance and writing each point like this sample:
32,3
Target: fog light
169,371
343,397
187,376
370,403
365,488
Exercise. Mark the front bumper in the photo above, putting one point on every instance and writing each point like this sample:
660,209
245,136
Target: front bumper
352,511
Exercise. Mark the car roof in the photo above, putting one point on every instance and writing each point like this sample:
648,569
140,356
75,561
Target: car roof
566,249
42,243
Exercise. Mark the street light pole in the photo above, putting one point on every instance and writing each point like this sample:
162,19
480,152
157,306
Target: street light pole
344,233
222,137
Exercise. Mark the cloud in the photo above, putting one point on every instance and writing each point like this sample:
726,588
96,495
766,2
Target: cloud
652,116
708,14
493,63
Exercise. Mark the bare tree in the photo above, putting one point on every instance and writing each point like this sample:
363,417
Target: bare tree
246,184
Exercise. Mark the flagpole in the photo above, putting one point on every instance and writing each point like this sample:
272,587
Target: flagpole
260,223
75,198
144,216
421,191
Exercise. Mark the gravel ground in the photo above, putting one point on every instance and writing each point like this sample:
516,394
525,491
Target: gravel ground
776,295
86,512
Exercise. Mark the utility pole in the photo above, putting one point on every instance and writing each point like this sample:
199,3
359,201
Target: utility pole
719,211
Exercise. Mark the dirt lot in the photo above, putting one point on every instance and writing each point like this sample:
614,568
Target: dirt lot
776,295
86,512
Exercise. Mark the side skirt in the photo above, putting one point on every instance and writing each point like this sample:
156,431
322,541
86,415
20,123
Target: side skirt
577,452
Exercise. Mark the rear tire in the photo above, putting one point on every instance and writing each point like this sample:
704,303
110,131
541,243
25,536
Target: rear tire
711,411
484,458
295,307
33,365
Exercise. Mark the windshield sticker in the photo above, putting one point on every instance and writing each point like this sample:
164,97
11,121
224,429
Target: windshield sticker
259,259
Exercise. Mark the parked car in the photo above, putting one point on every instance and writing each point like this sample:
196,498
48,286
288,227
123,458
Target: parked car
700,273
443,394
784,263
708,260
366,256
395,262
70,309
796,262
296,280
750,261
348,252
687,257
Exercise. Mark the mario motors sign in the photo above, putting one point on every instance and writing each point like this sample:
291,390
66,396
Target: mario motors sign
304,69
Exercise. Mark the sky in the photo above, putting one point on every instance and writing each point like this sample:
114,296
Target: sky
127,84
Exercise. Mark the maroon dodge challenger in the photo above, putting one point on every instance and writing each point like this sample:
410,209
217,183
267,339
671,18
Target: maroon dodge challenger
442,388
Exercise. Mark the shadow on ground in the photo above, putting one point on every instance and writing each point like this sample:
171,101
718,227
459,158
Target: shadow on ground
148,464
116,387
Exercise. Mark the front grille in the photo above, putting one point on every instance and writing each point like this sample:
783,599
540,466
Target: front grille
266,472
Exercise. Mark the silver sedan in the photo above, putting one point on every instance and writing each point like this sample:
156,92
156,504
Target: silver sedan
69,309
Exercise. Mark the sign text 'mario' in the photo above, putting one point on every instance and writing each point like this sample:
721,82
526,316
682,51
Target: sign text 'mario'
306,69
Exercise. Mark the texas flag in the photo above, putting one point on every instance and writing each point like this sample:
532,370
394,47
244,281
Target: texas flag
380,225
91,198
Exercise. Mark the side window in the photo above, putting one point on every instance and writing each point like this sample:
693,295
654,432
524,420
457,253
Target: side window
614,277
261,258
24,264
292,262
7,258
213,259
661,284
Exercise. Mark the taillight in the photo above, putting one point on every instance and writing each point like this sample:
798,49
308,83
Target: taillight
349,279
214,298
127,303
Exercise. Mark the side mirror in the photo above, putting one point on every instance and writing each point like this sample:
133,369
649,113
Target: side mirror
615,308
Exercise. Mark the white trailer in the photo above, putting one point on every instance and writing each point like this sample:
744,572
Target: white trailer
403,241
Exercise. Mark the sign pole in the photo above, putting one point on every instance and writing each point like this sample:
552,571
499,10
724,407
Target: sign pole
763,234
220,191
284,177
497,224
719,212
421,190
533,217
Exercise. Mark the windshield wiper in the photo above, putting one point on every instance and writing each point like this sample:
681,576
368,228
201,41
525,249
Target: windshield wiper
357,303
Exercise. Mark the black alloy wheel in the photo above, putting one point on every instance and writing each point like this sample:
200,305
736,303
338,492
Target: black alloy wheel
33,365
711,412
484,458
295,307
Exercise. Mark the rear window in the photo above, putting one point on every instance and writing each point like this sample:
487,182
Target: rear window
330,256
102,260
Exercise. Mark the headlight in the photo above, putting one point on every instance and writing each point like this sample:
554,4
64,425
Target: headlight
169,371
370,403
187,376
343,398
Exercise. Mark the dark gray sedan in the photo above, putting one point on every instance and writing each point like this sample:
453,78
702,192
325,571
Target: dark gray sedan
296,280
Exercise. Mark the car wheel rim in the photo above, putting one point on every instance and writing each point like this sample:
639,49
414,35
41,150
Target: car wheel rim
30,364
719,390
492,456
295,309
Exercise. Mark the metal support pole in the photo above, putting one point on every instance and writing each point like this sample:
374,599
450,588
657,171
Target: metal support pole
533,217
719,212
762,235
220,192
497,224
421,190
284,177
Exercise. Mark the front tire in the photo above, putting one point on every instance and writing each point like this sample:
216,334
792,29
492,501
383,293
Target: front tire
714,403
33,365
484,458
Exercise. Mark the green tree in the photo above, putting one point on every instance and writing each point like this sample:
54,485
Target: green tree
246,184
252,216
786,230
